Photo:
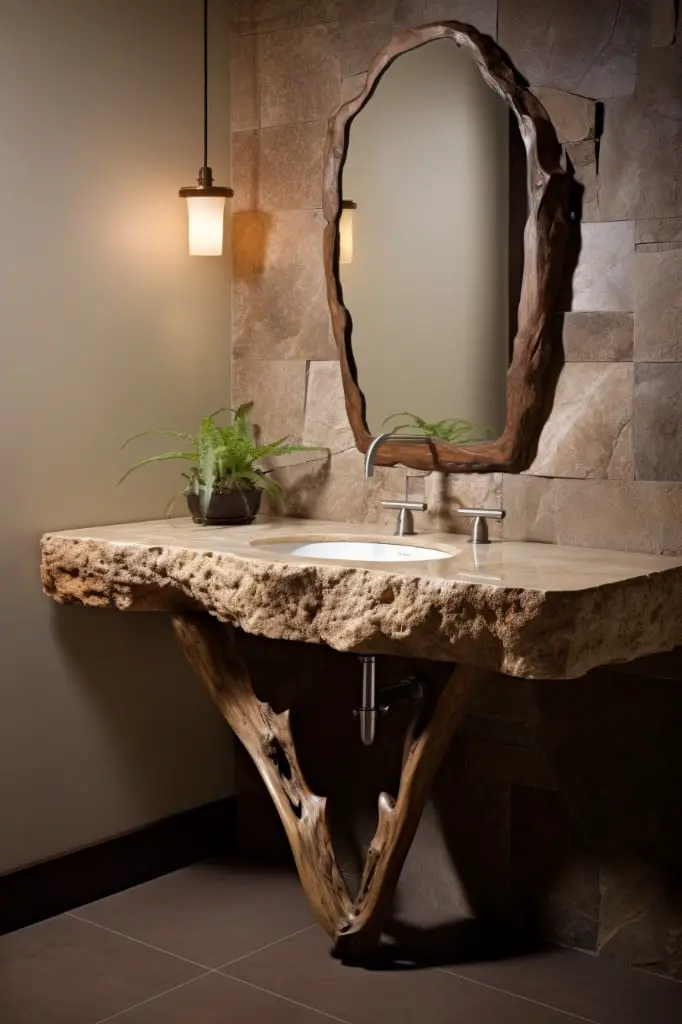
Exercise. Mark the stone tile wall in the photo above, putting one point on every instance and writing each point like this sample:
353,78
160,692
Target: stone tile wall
609,463
608,471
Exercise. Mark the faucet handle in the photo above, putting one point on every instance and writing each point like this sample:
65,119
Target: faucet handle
405,525
412,506
479,527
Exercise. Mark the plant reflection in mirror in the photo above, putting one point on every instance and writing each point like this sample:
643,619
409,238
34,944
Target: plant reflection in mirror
453,430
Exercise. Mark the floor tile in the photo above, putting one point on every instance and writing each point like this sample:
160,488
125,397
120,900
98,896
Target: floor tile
585,985
302,969
64,971
217,1000
211,913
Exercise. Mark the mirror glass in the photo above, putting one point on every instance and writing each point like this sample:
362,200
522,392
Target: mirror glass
425,254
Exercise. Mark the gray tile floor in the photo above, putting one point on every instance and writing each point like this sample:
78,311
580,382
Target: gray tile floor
223,944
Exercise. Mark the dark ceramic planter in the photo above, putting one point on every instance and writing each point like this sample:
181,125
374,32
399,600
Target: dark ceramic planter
233,507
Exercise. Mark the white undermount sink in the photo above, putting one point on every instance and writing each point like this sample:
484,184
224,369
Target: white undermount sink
355,550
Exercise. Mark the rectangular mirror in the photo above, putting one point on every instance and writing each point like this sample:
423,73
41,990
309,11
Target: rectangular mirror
439,294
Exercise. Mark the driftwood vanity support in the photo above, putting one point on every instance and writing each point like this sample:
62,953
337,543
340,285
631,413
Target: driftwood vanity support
534,611
545,236
354,924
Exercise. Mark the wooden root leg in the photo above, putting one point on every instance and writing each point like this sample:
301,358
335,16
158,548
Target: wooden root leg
356,925
398,820
210,649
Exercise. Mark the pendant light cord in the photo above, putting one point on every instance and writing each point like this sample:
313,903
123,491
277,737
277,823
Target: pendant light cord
205,83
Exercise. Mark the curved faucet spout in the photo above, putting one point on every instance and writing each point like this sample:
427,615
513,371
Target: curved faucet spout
371,455
372,451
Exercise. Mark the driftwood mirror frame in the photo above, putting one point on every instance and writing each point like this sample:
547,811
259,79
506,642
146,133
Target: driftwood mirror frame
545,235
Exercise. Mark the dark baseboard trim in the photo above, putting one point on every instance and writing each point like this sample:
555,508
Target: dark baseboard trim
64,883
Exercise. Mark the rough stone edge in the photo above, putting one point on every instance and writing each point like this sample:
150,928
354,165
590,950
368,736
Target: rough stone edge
524,633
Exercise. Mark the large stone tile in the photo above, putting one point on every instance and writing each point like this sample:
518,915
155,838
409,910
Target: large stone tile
212,912
667,230
658,306
663,22
603,278
633,915
624,516
573,905
277,389
244,98
298,75
409,13
391,484
657,421
352,87
279,296
326,422
269,15
301,969
573,117
482,14
597,337
583,47
278,168
360,43
216,999
582,163
330,489
530,507
367,10
445,493
67,970
592,407
621,515
640,173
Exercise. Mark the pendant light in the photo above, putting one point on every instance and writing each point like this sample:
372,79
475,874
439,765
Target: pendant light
205,201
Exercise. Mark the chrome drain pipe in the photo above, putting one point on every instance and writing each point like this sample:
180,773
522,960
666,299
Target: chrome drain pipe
367,712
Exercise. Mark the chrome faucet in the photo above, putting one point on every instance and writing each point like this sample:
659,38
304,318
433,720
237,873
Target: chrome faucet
388,436
405,523
479,527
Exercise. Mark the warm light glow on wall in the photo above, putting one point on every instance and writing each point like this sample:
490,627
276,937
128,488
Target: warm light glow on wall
346,231
205,215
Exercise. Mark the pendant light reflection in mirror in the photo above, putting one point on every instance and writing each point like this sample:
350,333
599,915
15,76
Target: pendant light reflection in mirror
205,201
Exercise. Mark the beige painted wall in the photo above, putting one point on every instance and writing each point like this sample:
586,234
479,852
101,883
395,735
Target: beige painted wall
107,328
427,166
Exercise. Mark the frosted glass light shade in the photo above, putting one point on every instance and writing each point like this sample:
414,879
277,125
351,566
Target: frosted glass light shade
346,235
205,216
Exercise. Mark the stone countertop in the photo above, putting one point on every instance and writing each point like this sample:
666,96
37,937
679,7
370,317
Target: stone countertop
524,609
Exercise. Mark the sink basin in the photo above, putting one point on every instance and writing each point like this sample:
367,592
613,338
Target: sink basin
356,550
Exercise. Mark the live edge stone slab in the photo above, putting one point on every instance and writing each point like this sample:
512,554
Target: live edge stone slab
519,608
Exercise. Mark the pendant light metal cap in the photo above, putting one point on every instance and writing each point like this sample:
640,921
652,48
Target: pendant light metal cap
194,191
205,186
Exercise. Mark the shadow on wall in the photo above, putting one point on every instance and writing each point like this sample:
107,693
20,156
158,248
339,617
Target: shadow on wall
152,740
251,230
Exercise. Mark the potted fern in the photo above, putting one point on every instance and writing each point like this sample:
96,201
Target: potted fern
224,483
